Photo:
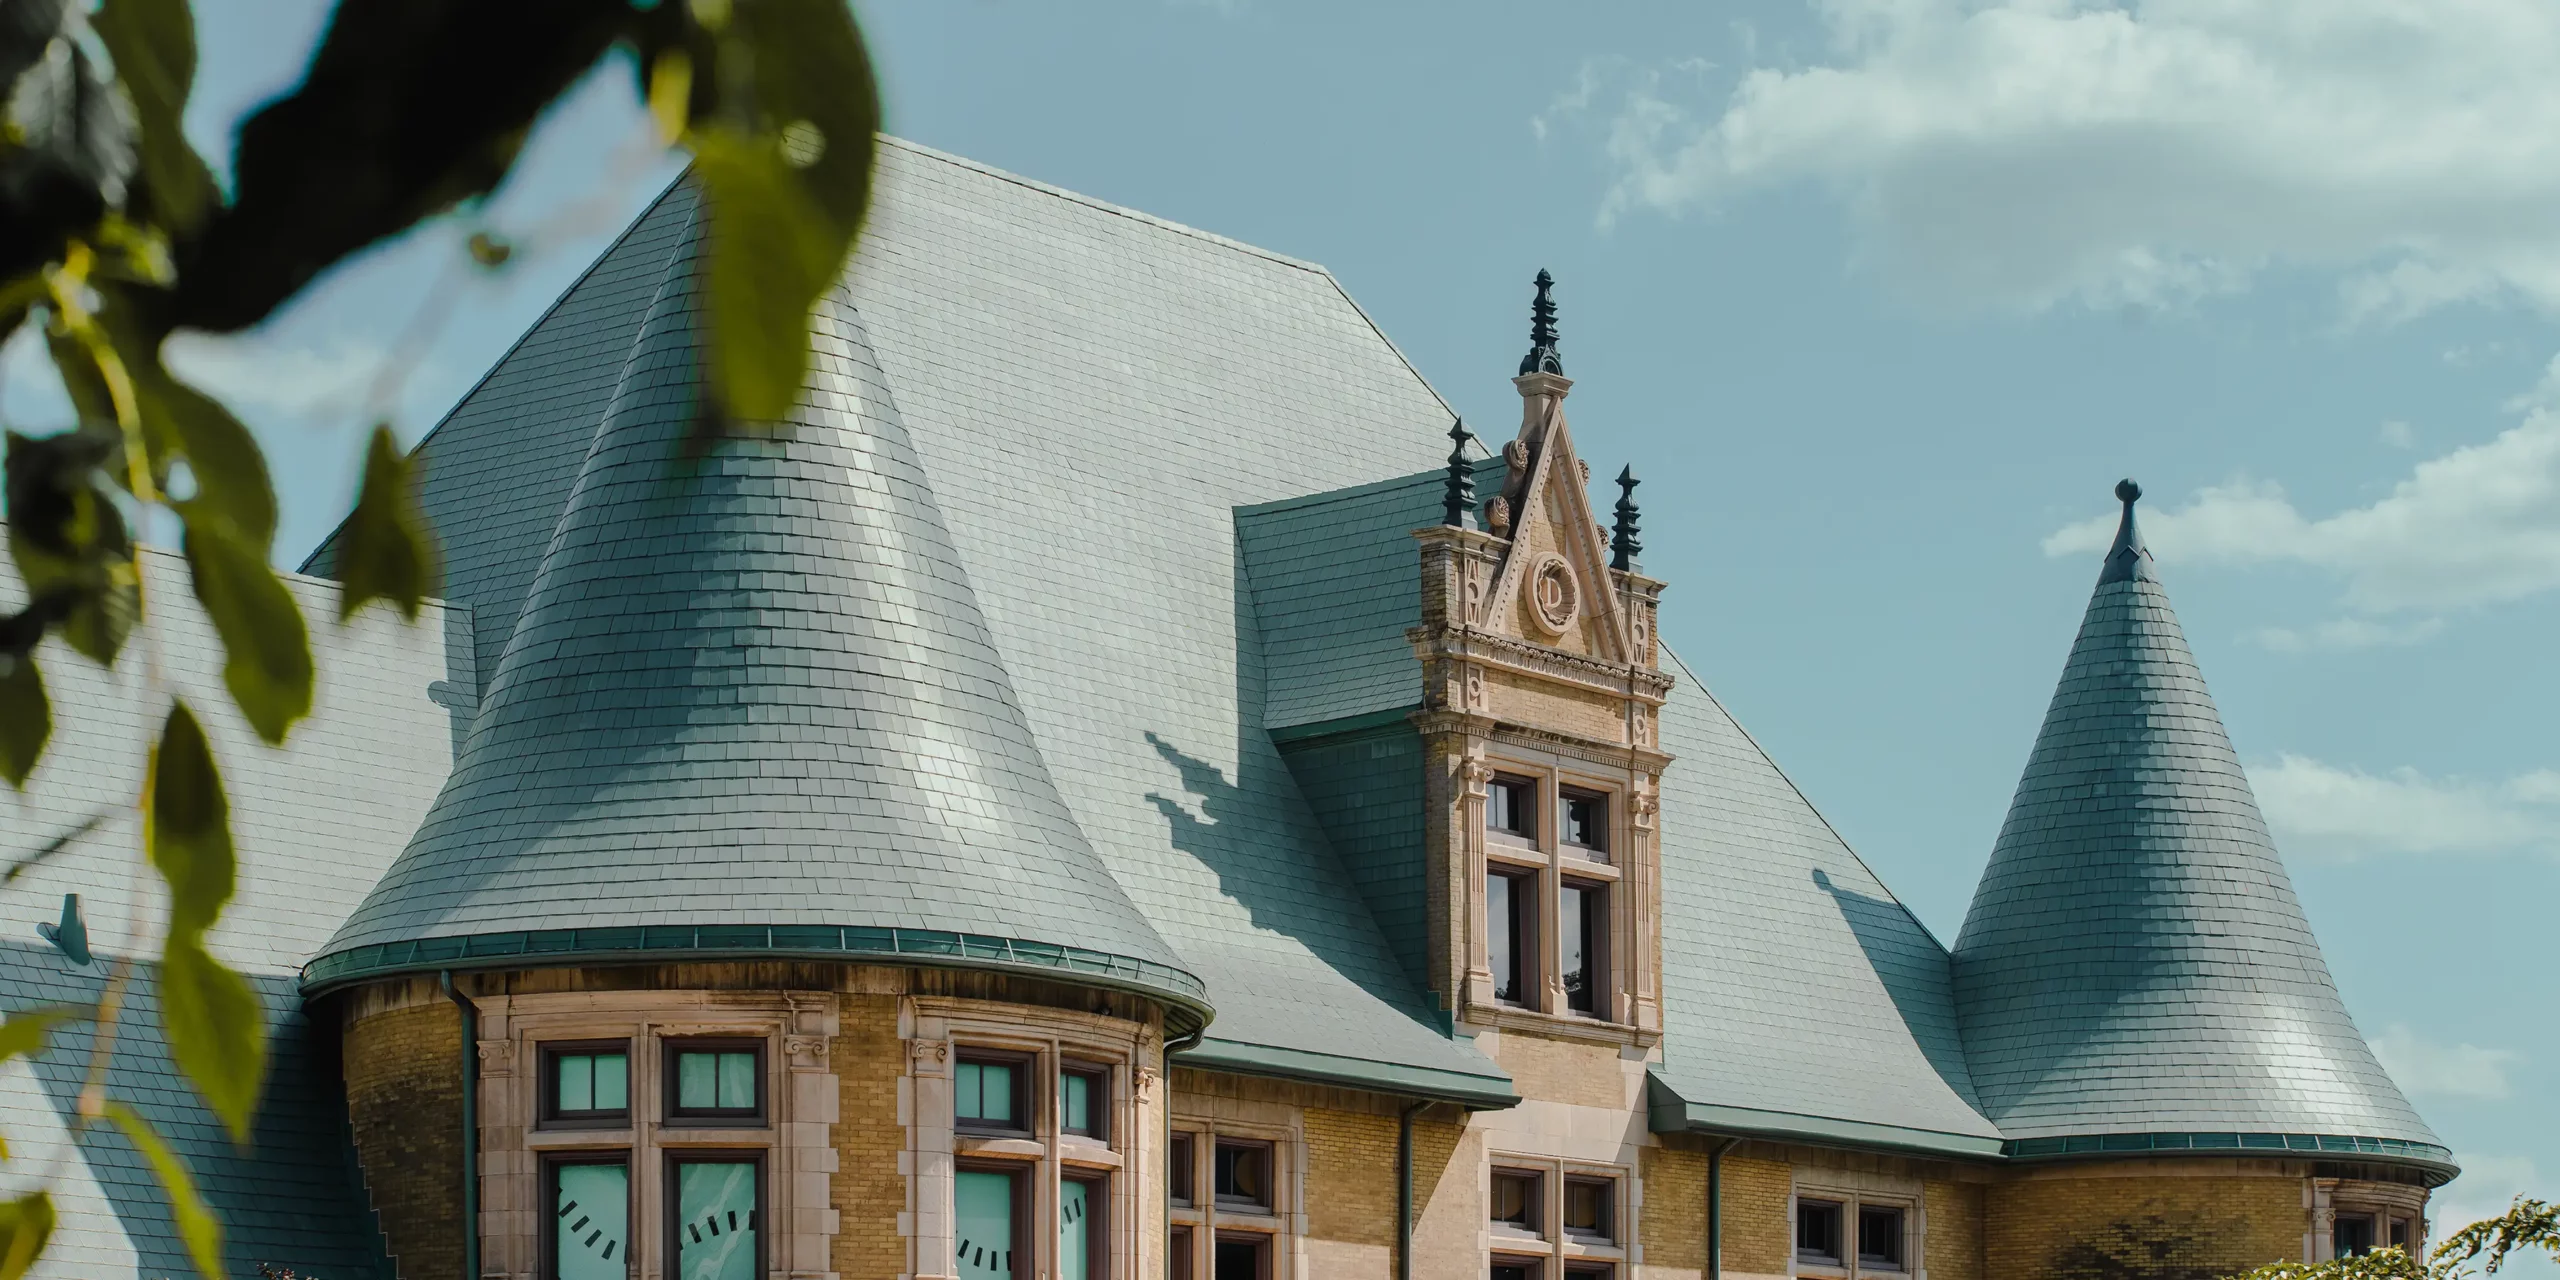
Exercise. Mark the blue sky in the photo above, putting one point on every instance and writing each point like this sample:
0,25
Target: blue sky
1881,297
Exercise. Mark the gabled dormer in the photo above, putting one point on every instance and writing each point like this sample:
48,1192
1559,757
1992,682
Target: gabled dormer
1541,762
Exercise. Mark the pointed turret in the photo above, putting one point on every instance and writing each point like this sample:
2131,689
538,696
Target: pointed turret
2135,972
751,707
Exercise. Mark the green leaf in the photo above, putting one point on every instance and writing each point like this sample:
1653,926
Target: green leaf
196,1224
69,541
26,717
187,825
153,43
216,1030
266,652
25,1224
772,254
384,552
179,421
25,1031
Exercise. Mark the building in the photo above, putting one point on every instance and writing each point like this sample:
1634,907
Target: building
1105,791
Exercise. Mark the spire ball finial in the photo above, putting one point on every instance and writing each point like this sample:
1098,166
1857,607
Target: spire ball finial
1542,357
2127,491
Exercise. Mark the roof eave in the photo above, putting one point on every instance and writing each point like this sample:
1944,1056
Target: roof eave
1429,1084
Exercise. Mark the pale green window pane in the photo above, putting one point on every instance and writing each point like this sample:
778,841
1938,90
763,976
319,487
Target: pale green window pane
1075,1226
591,1224
697,1080
577,1082
982,1222
613,1082
995,1100
738,1081
716,1220
1075,1100
965,1092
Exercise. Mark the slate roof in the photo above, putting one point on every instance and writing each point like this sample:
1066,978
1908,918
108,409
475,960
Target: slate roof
752,690
2135,961
316,824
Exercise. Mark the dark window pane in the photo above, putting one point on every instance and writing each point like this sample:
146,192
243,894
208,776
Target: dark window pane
982,1224
1243,1175
591,1222
1879,1237
1581,952
1508,903
1509,809
2351,1237
1514,1270
1182,1188
1515,1200
1587,1202
2399,1233
715,1220
1242,1259
1818,1231
1586,821
1178,1255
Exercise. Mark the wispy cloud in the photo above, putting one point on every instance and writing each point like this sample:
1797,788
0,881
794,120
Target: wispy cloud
2487,1185
2429,1069
264,378
2024,152
2347,634
2322,810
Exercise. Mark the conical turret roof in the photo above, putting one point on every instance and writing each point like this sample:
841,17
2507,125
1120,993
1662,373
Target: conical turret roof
2135,972
750,708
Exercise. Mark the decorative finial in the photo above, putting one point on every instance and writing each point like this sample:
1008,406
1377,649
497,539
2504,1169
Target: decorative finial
2128,560
1458,503
1624,544
1542,357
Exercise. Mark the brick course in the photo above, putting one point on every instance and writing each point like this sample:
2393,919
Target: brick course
2131,1226
404,1102
868,1191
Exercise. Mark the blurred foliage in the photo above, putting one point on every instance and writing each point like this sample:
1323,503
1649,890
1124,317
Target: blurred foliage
2486,1245
115,234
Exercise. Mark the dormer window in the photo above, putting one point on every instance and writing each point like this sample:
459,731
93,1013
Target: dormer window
1586,823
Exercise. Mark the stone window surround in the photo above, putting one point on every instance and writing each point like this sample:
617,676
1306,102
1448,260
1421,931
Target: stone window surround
795,1138
1281,1128
1553,1249
2329,1199
1553,862
1850,1190
937,1030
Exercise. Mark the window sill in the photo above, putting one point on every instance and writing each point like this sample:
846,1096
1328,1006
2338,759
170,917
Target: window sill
1571,1026
1247,1215
1088,1153
573,1139
1595,1250
1516,1236
996,1148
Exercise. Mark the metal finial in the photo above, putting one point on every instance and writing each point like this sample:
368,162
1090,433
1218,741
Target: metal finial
1542,357
2128,560
2127,491
1458,502
1624,543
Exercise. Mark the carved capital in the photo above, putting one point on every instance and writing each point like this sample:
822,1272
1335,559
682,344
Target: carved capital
497,1057
929,1057
1475,774
806,1053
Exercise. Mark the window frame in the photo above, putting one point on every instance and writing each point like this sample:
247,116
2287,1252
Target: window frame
1018,1175
1261,1241
1097,1236
1182,1158
675,1115
1530,788
1607,1234
549,1183
547,1111
1596,901
1269,1204
1534,1203
761,1223
1026,1096
1097,1099
1901,1262
1523,896
1840,1257
1605,804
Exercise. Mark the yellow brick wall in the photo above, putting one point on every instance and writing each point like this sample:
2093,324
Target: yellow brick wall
404,1101
1757,1234
1673,1225
1954,1245
868,1192
1351,1177
2140,1227
1570,1071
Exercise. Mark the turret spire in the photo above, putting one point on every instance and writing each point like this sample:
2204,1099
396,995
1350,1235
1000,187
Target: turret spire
2128,560
1624,543
1542,357
1458,503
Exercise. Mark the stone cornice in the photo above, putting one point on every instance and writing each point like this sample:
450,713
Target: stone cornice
1523,657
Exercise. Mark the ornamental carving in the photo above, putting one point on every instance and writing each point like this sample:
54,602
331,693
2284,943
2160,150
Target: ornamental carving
497,1057
1555,599
930,1057
807,1053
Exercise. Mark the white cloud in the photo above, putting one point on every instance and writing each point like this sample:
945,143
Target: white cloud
2475,526
2487,1185
2320,809
2030,151
2428,1069
2347,634
262,377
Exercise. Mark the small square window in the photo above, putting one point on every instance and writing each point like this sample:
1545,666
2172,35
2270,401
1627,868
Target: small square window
1242,1177
1240,1256
1588,1209
1516,1199
991,1093
586,1085
1511,808
1179,1186
1879,1237
1818,1232
1084,1102
1586,823
715,1080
